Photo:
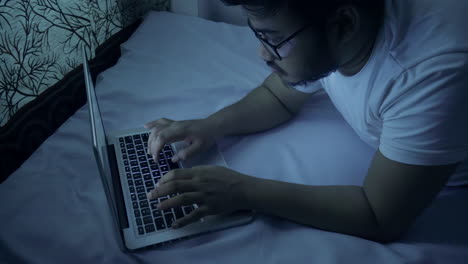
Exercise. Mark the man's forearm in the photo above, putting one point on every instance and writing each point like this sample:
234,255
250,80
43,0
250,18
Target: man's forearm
260,110
342,209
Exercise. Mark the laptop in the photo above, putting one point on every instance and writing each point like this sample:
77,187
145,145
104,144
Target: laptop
128,173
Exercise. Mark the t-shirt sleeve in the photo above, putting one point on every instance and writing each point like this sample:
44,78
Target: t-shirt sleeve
309,87
425,113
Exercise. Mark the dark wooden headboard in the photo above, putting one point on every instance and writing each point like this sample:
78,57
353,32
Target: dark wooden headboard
40,118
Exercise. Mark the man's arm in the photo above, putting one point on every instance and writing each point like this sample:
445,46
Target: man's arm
269,105
393,195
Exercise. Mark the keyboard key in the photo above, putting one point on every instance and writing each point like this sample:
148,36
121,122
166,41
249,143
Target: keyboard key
140,189
162,162
148,220
149,184
168,211
138,142
129,175
144,204
131,151
168,155
147,177
145,211
123,151
135,205
136,137
144,164
141,231
132,157
149,189
156,173
151,162
154,205
188,209
138,182
178,213
139,147
124,156
141,153
167,148
134,197
128,140
139,222
126,162
135,169
159,223
137,213
164,169
157,213
145,144
149,228
127,169
141,159
134,163
137,176
122,145
130,146
174,165
145,137
132,189
130,183
142,196
121,139
161,155
145,170
169,219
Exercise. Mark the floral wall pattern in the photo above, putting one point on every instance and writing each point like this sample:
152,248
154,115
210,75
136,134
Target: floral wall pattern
41,41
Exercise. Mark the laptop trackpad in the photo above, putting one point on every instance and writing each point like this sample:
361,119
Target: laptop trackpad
210,157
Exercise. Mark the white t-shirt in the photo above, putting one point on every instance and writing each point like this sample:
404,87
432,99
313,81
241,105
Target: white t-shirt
411,98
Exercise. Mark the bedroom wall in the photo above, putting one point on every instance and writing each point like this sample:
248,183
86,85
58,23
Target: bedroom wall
213,10
41,41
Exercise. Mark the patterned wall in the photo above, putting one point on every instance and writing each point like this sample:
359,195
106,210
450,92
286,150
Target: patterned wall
41,41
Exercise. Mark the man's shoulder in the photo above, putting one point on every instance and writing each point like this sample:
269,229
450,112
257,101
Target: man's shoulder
416,31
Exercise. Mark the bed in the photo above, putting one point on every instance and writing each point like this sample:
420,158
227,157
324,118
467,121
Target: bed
54,209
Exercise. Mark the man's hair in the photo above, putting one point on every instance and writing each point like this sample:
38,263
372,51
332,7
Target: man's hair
312,10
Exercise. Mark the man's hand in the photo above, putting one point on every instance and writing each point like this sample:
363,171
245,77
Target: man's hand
200,134
215,189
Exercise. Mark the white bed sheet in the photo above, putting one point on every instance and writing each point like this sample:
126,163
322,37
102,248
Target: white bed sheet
53,208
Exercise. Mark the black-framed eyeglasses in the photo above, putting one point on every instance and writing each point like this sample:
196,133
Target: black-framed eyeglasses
280,50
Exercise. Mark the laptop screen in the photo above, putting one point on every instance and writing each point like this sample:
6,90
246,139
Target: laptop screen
98,136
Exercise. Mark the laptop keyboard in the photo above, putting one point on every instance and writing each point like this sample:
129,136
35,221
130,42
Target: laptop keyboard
142,174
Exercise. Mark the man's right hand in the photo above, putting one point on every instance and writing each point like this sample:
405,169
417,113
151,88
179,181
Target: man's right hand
199,134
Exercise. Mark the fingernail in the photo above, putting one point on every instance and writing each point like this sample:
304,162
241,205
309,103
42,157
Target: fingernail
175,225
174,159
149,196
158,206
154,157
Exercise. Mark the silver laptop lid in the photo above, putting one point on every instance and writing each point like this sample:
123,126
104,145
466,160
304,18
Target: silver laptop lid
99,137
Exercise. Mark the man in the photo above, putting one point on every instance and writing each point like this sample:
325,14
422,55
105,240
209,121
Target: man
395,69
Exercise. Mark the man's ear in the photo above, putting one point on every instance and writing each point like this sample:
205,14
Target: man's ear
342,25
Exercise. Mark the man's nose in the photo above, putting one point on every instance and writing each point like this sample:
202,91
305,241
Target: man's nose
265,54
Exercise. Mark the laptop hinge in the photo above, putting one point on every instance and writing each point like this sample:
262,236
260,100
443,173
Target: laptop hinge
121,211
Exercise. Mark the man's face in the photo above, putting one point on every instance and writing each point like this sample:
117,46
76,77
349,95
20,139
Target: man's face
307,53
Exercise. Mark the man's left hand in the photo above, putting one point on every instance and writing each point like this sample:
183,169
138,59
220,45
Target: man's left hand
214,189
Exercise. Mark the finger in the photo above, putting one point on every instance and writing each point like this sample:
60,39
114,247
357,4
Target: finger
162,121
180,200
167,136
180,186
176,175
195,215
187,152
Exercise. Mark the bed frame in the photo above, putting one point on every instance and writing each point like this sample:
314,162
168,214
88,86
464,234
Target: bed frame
40,118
